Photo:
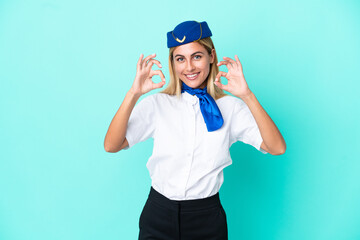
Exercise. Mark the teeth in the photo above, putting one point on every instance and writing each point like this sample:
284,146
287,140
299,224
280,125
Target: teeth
192,75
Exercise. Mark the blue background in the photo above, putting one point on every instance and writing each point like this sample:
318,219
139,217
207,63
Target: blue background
65,67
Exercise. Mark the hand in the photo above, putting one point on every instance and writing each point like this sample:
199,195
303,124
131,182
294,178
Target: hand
236,82
143,80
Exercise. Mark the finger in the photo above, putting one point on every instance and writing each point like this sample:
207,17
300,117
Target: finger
144,63
220,74
227,63
158,72
149,66
138,65
230,60
156,62
238,61
221,86
148,57
158,85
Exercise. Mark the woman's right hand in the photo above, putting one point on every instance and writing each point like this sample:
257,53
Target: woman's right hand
143,80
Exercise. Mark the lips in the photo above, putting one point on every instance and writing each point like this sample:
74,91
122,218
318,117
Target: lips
192,76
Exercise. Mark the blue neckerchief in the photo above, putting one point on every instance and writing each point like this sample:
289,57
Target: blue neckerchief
209,109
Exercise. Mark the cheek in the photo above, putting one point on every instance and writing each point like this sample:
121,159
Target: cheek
179,71
203,65
178,68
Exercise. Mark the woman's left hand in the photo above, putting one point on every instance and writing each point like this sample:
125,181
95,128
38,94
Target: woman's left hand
236,82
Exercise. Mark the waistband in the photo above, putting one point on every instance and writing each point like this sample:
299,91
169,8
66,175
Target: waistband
184,205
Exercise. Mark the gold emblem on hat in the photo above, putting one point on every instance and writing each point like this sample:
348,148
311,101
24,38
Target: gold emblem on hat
180,41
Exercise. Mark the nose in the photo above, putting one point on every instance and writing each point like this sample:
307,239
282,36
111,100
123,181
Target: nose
190,66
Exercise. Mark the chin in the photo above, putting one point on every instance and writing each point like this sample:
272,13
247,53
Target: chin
193,84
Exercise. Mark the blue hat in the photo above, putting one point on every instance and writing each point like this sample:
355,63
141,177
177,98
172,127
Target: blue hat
186,32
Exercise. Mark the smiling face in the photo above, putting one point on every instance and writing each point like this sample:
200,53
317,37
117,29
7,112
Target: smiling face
192,64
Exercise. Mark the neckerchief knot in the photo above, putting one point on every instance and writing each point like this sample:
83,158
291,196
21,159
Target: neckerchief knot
209,109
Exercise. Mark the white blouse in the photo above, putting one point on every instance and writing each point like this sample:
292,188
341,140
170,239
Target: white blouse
188,161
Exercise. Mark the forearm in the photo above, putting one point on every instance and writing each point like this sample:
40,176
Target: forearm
116,133
269,132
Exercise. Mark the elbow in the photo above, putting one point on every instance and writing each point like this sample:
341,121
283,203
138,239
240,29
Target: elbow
107,148
280,153
115,148
110,149
282,150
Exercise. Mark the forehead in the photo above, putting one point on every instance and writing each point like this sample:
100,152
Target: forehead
189,48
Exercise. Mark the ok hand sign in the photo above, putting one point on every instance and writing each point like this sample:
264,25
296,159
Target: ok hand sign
236,81
143,80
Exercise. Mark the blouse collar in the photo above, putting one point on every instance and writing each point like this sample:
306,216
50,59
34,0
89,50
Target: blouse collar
193,99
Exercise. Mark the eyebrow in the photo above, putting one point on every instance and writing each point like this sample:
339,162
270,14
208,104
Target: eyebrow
191,54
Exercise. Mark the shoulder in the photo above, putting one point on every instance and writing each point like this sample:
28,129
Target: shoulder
157,100
162,95
158,95
146,102
152,97
163,98
230,102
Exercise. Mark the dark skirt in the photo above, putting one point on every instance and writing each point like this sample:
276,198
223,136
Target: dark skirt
166,219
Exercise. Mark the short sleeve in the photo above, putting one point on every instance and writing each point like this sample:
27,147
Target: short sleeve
244,127
141,124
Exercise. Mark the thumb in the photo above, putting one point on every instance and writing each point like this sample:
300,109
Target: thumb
158,85
220,85
218,79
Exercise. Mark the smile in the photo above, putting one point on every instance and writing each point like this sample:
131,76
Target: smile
192,76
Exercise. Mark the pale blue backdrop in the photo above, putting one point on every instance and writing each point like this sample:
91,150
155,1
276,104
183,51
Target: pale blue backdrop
65,67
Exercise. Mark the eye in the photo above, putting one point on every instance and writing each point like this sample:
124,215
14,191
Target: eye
197,56
179,59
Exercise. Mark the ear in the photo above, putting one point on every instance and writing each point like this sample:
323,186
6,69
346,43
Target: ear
212,55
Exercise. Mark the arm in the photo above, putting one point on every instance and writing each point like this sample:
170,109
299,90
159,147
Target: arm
115,137
273,141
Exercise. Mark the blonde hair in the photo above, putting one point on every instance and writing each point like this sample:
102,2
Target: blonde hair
174,86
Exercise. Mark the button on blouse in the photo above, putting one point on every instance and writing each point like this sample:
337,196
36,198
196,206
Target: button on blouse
188,161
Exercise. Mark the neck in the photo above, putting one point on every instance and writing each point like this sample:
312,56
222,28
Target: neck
202,86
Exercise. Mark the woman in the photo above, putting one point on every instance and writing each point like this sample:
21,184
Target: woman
193,124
